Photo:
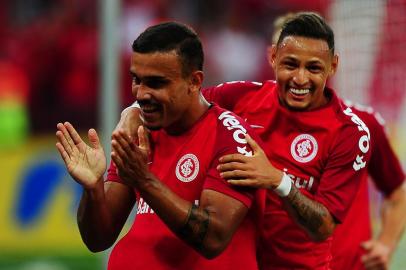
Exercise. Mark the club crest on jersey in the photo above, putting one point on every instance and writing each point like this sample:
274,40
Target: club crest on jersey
187,168
304,148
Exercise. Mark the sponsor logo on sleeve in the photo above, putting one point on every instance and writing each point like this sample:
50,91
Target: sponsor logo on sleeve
187,168
143,207
239,132
304,148
363,142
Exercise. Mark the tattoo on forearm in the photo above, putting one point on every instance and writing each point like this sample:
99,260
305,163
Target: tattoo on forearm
310,214
196,226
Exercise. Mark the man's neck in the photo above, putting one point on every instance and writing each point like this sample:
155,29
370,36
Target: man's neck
195,111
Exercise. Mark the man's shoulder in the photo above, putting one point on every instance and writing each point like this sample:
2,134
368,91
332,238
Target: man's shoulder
229,121
352,139
350,123
231,130
371,118
344,116
232,94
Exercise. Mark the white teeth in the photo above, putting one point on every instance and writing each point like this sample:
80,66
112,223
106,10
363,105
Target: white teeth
299,91
148,108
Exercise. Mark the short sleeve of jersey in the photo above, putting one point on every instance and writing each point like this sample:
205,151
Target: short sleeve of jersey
216,183
228,94
112,173
341,178
384,166
226,144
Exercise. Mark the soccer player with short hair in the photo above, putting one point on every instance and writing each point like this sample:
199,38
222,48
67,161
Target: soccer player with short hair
188,217
389,178
360,251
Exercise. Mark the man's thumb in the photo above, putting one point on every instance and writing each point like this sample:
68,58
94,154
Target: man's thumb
94,138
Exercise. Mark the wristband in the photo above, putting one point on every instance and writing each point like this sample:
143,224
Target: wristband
284,187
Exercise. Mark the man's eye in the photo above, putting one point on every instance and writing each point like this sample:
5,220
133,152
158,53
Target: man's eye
315,69
290,65
155,84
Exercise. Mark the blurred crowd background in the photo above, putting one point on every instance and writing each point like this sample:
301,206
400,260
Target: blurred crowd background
50,66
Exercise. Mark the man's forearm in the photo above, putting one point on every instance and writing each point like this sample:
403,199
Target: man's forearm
196,225
93,219
186,220
102,213
207,228
393,217
311,215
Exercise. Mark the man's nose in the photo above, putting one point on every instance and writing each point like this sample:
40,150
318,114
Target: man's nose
141,92
301,77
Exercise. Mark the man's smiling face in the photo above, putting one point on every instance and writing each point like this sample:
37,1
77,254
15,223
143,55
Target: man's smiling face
302,66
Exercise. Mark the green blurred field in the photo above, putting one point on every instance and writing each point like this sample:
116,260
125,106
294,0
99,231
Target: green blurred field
44,262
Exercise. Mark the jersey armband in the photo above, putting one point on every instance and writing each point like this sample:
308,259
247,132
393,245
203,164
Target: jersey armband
284,187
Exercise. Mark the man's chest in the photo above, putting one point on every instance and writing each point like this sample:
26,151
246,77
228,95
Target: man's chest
300,147
183,165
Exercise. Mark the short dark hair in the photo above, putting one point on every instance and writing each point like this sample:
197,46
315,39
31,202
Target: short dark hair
310,25
168,36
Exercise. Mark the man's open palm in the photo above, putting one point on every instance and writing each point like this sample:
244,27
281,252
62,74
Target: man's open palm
86,164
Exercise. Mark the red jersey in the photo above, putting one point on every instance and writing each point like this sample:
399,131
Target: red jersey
324,151
187,164
387,174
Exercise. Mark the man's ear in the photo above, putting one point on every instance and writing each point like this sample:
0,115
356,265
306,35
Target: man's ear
196,80
271,55
334,65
